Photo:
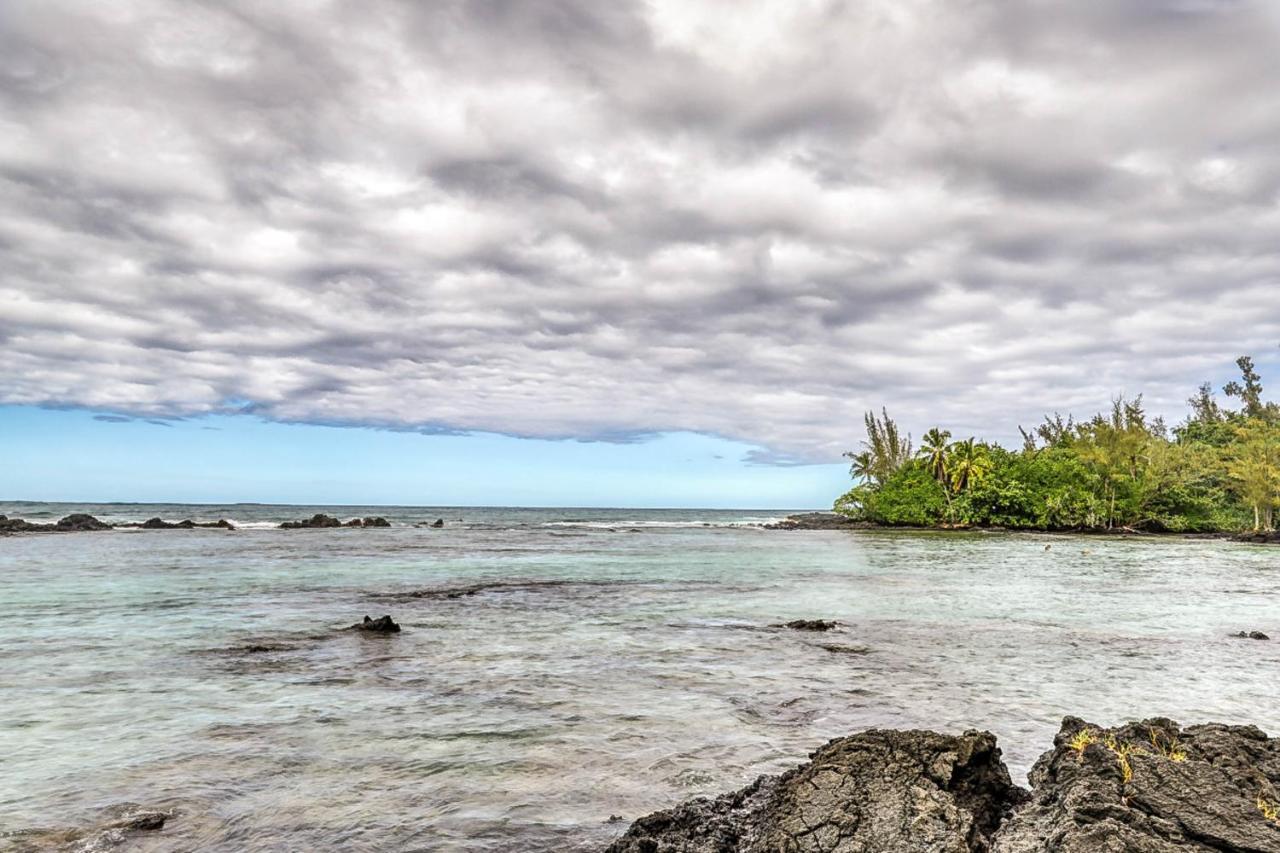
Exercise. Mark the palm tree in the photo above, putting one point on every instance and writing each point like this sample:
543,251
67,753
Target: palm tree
862,466
936,453
934,450
970,463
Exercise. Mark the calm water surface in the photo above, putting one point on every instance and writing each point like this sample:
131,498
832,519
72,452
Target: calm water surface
560,666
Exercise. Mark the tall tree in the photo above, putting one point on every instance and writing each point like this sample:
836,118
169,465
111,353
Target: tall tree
887,450
1254,465
1115,448
1248,389
1204,407
1055,431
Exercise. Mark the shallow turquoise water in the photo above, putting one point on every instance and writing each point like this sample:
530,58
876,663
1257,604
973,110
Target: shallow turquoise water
622,661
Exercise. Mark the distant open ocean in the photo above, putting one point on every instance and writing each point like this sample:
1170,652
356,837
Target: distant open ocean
560,666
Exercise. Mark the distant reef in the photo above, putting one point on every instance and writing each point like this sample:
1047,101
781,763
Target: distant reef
80,522
1144,787
320,520
820,521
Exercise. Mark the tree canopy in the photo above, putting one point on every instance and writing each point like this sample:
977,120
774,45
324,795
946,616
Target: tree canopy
1218,470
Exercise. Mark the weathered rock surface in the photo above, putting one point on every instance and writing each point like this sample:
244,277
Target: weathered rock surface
818,521
381,625
116,826
1148,787
876,791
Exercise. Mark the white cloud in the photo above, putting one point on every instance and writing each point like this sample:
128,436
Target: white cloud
604,220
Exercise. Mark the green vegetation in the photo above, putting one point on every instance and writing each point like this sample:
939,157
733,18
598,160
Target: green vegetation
1217,471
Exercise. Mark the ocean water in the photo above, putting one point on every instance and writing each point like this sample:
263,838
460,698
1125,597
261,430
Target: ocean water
559,667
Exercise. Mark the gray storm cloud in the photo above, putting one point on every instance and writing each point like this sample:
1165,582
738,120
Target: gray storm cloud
603,220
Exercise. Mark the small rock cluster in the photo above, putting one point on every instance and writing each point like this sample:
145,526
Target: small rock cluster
322,520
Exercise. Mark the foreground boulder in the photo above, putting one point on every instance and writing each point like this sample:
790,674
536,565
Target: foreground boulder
1151,787
876,791
1148,787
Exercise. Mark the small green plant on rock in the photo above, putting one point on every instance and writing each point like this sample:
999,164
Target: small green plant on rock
1081,740
1122,751
1270,810
1167,745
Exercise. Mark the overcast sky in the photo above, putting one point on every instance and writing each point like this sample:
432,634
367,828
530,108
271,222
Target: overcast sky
608,220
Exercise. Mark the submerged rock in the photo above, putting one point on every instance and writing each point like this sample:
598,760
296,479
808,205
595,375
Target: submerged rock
842,649
1251,635
381,625
811,624
116,826
1147,787
876,791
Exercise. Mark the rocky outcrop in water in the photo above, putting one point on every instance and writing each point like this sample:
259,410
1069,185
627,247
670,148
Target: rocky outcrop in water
185,524
1148,787
1251,635
317,520
381,625
76,522
818,521
320,520
117,826
369,521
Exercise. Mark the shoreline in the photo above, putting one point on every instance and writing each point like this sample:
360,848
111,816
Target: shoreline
805,521
835,521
